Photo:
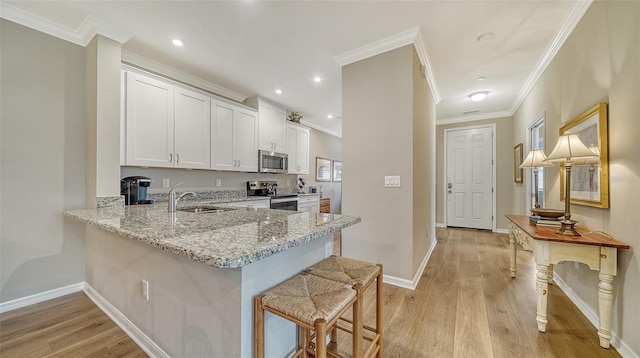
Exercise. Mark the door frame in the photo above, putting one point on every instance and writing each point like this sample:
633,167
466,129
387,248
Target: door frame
492,126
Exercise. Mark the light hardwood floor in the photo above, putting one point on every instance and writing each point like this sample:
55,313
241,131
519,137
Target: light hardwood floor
466,305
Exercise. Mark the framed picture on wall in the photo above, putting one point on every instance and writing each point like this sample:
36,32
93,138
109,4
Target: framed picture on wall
323,169
589,178
337,170
518,174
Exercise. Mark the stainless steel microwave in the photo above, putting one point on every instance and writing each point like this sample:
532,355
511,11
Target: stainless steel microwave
273,162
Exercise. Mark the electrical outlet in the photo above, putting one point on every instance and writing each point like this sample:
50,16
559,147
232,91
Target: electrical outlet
165,183
328,249
218,182
145,289
288,182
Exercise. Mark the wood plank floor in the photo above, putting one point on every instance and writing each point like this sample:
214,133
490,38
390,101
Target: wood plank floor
466,305
69,326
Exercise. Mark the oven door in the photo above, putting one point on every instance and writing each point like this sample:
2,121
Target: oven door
284,204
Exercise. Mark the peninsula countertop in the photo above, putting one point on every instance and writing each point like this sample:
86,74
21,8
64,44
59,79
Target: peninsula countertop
229,239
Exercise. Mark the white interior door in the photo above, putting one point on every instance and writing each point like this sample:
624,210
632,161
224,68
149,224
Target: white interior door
469,182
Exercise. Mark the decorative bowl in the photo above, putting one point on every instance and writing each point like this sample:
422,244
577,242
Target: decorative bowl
547,213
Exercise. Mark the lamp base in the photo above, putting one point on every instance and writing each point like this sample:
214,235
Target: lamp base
568,228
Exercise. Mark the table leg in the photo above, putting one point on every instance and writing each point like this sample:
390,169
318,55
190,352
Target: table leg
513,251
542,289
605,305
550,275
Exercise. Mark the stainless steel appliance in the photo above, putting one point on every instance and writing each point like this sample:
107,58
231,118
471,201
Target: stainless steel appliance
134,190
273,162
270,189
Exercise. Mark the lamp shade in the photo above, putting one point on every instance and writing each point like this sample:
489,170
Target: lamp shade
569,146
535,159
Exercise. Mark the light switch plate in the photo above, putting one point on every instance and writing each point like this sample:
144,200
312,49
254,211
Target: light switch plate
392,181
165,183
218,182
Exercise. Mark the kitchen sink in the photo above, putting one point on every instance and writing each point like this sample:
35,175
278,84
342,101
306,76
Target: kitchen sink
205,209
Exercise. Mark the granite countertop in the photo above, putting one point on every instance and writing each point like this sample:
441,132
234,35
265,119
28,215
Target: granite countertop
228,239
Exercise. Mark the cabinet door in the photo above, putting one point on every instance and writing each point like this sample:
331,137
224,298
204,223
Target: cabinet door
149,122
278,129
222,136
245,136
192,130
292,146
265,115
302,150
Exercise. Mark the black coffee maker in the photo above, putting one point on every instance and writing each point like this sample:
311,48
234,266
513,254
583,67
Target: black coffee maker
134,190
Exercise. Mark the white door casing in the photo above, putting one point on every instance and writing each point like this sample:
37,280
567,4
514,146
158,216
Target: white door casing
469,177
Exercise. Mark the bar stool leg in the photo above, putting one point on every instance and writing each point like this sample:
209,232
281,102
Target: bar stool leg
259,327
379,312
321,338
358,321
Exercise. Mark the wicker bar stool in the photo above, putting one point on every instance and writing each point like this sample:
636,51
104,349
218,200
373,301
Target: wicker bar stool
313,303
363,274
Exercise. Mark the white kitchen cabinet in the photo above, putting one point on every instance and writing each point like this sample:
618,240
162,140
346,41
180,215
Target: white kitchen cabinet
298,149
309,203
166,125
192,136
149,121
234,134
258,204
271,125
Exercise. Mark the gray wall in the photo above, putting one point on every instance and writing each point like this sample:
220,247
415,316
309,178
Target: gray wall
42,162
378,140
599,62
326,146
504,168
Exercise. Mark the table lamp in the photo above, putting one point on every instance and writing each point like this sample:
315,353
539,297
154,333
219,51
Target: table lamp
568,148
535,159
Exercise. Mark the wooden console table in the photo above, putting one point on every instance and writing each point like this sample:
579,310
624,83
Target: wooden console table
597,251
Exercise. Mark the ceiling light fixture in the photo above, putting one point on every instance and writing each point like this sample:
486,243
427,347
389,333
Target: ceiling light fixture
478,96
177,42
279,91
481,78
485,37
330,116
317,79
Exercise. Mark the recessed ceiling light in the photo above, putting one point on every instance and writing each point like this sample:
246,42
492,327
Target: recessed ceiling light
177,42
317,79
279,91
485,37
481,78
330,116
478,96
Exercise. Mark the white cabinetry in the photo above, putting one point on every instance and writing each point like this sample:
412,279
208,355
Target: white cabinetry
166,125
309,203
234,137
298,149
271,125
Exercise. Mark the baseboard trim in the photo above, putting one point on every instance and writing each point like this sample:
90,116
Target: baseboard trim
40,297
411,284
142,340
440,225
622,348
502,231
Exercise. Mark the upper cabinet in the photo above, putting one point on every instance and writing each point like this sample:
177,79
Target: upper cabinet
271,124
298,149
234,137
166,125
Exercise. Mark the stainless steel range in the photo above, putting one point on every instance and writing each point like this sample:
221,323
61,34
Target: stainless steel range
270,189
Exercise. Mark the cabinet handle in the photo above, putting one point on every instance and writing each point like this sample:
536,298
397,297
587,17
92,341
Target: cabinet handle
177,158
238,164
170,157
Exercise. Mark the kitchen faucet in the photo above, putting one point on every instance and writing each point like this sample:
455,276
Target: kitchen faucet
173,199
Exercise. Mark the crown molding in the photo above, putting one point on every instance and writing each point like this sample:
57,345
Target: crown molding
575,14
321,129
409,37
145,63
475,117
90,27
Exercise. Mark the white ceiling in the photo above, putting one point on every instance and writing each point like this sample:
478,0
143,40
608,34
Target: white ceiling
254,47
